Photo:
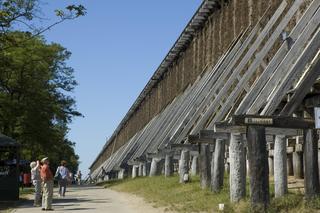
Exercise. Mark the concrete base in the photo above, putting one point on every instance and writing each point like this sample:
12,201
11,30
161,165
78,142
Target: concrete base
280,166
195,166
237,168
298,164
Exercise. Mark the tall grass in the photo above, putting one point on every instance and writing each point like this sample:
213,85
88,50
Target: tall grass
169,193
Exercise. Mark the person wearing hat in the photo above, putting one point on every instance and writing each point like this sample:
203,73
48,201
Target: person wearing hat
36,181
47,183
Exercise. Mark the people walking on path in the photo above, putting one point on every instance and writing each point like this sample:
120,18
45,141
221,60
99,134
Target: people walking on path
79,176
62,174
47,183
36,181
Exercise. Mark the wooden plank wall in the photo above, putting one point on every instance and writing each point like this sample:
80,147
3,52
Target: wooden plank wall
204,51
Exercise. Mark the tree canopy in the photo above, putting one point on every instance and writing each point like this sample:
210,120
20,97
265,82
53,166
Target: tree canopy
36,84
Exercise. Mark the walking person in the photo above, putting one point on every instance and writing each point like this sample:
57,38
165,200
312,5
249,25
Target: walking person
62,174
79,175
36,181
47,184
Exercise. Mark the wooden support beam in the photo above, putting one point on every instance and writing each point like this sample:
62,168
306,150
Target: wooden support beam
195,165
311,169
205,175
237,158
277,67
218,168
168,165
190,147
210,134
195,139
280,166
184,166
297,165
272,121
156,166
303,88
258,163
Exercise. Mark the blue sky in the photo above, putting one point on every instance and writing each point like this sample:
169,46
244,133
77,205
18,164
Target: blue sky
115,49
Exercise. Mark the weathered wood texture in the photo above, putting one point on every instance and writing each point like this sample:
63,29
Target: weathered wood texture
311,169
208,45
204,157
156,167
168,165
195,165
298,165
280,166
258,162
218,168
271,165
184,166
237,168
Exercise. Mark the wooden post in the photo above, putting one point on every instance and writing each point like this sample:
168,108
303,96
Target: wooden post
227,167
237,168
280,166
145,169
184,166
270,164
259,171
218,168
155,167
135,169
311,175
168,165
289,164
121,174
205,175
297,165
194,165
211,168
140,169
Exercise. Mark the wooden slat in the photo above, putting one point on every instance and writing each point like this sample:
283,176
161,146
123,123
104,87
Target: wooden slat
276,76
225,85
302,89
298,68
254,65
272,121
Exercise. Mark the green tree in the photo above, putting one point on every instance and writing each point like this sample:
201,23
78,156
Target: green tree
35,102
22,13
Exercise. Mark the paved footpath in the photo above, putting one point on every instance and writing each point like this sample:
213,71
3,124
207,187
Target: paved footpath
93,199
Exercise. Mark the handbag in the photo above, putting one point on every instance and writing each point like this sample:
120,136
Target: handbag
57,176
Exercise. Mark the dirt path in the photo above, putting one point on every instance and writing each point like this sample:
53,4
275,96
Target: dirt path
94,199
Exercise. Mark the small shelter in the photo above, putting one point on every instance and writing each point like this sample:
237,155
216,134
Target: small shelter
9,168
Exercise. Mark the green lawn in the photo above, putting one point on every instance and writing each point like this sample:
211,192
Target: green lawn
168,193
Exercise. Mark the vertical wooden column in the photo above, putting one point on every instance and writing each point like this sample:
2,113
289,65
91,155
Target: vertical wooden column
270,164
168,165
140,169
154,170
218,166
205,175
237,168
211,168
311,175
289,164
259,171
184,166
280,166
121,174
297,164
135,170
144,169
194,165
